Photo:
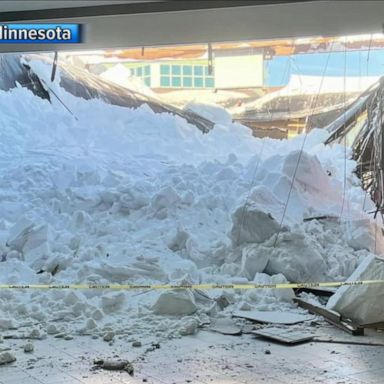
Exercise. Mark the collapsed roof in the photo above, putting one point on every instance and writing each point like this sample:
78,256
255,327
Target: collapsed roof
307,101
361,128
80,83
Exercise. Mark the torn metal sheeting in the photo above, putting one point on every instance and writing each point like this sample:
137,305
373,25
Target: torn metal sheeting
284,335
273,317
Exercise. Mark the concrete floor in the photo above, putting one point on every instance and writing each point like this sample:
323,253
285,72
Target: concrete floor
204,358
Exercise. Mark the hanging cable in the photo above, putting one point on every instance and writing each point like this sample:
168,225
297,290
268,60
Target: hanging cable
61,101
345,136
54,66
246,204
367,73
302,148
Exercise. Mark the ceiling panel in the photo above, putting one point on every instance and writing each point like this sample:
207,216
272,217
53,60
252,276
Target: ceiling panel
231,23
23,5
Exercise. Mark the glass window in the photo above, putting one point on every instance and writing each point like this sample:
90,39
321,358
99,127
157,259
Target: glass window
206,71
198,82
147,70
164,69
187,82
165,81
176,81
209,82
139,71
187,70
176,70
147,81
198,70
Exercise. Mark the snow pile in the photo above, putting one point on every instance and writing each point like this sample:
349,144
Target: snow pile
212,112
129,196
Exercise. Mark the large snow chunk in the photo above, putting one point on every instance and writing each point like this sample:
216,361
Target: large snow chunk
309,174
252,225
7,358
267,299
166,198
175,303
253,259
112,302
361,303
29,238
297,257
360,234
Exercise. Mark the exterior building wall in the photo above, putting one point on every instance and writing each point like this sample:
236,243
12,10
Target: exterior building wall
155,75
242,71
232,70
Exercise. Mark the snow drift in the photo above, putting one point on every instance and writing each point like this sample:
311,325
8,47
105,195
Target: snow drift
118,195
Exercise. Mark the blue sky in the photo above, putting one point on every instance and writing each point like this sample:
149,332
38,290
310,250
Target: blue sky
357,63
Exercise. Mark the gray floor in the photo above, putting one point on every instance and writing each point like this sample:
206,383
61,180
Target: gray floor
204,358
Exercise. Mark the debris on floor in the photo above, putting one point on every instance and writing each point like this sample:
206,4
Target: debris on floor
332,340
28,348
114,365
331,317
284,335
7,358
226,327
273,317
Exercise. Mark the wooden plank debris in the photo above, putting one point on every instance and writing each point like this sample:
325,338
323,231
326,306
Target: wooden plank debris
332,317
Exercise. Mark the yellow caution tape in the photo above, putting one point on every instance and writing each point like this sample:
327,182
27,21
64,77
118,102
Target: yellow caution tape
187,286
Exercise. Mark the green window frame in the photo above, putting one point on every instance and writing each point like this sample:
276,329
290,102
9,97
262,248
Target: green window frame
185,76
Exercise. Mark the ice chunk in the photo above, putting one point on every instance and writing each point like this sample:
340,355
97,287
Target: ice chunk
7,358
112,302
175,303
252,225
297,258
166,198
361,303
30,239
254,259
